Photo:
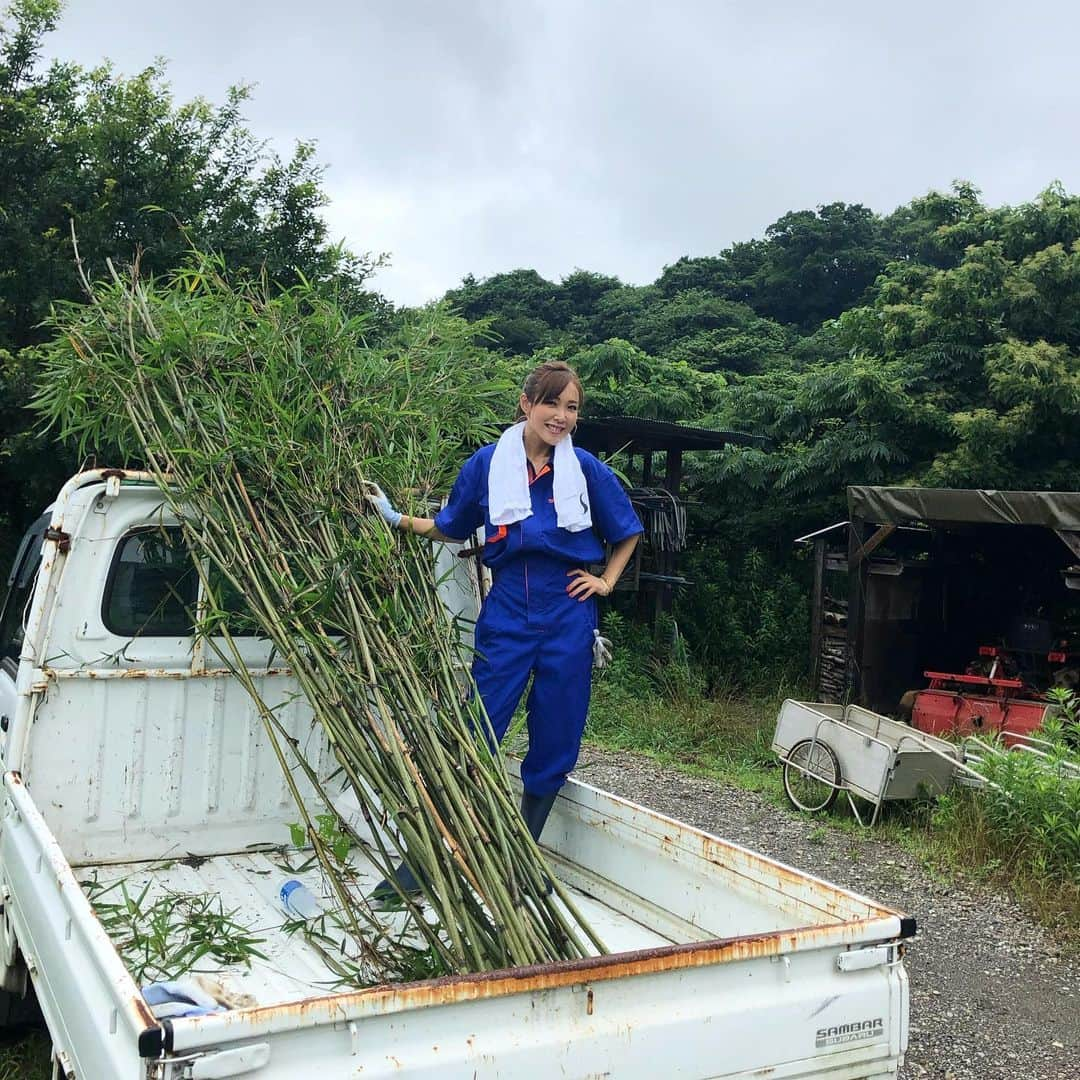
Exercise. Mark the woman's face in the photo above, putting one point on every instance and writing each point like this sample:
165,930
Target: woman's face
552,419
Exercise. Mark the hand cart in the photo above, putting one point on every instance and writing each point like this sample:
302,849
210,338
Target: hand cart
828,749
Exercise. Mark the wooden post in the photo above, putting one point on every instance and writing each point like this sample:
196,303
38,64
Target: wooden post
817,615
871,545
673,480
857,574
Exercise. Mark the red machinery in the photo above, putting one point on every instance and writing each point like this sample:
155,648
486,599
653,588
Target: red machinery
973,703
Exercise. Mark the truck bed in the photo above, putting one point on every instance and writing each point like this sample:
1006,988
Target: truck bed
642,881
246,885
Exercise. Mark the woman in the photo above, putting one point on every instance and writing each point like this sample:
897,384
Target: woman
544,505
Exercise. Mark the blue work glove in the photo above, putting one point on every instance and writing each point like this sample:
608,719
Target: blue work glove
375,495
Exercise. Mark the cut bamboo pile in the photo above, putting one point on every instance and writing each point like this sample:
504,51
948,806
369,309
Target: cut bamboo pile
261,419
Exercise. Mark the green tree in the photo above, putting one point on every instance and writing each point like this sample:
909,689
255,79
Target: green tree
818,263
97,150
729,274
581,291
621,379
810,266
966,374
617,313
935,228
754,346
685,315
524,308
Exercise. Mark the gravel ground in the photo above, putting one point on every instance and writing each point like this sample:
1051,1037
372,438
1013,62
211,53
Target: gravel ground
992,995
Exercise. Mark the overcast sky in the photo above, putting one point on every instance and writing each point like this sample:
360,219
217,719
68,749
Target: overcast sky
615,135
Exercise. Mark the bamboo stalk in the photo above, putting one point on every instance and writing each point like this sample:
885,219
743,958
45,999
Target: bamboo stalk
245,410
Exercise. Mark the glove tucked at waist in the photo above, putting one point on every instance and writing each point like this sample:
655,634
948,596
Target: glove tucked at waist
601,650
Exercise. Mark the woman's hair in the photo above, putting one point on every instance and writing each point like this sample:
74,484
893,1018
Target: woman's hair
547,381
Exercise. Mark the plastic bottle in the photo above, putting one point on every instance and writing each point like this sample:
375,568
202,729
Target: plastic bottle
297,900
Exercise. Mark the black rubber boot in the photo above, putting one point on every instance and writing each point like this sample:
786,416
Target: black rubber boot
535,810
406,880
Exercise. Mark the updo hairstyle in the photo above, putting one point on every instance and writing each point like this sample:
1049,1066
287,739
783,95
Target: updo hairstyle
547,381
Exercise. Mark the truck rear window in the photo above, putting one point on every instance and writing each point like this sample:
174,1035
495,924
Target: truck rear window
153,586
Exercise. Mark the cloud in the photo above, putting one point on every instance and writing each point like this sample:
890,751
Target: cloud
615,136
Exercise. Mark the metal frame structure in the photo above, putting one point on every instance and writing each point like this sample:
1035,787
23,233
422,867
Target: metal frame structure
646,438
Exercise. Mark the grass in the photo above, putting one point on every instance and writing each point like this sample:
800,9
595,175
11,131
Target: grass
171,935
725,736
963,838
25,1056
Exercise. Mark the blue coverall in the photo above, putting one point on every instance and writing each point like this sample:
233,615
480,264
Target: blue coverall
528,624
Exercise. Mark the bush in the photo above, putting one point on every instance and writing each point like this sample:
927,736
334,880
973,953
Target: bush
653,699
633,697
648,664
1029,812
1036,803
746,621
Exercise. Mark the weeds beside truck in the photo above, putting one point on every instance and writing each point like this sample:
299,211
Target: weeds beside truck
130,757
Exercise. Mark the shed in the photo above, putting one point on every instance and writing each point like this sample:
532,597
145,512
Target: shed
923,578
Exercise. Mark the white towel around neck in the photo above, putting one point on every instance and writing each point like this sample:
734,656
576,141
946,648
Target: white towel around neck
508,483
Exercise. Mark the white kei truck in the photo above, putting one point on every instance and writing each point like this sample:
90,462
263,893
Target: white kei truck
130,753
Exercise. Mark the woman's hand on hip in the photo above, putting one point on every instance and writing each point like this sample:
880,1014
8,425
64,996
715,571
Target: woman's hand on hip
585,585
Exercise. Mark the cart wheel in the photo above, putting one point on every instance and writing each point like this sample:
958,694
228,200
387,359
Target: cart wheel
812,775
